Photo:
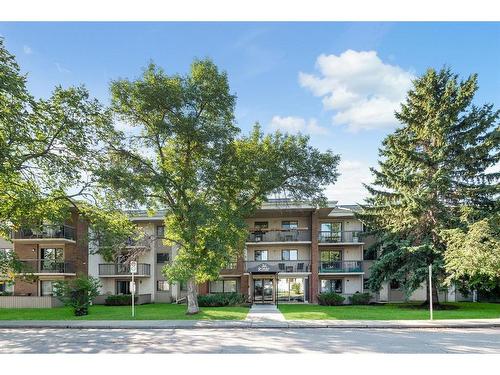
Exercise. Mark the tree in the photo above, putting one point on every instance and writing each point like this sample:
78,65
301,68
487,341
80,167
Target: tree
188,156
48,151
472,257
435,164
78,293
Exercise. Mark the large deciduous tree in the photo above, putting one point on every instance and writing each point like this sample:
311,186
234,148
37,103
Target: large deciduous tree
49,149
431,168
186,154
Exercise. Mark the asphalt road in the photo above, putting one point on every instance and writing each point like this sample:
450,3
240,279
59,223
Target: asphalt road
293,341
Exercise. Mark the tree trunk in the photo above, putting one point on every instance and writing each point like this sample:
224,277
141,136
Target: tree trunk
192,298
435,296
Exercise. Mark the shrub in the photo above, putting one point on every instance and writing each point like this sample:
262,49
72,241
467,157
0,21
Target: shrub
360,298
221,299
78,293
120,300
5,293
330,299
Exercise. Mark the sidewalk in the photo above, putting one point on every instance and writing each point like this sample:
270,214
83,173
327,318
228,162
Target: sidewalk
253,323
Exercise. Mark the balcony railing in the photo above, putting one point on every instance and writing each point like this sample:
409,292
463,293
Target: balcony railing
289,266
340,266
46,231
339,237
46,266
117,269
279,235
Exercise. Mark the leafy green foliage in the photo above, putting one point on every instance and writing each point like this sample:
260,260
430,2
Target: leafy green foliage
78,293
472,258
435,164
221,299
49,149
188,156
360,299
330,299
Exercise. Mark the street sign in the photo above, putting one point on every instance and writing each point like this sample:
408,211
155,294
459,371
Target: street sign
132,287
133,266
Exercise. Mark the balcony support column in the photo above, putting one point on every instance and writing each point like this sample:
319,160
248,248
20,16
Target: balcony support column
314,280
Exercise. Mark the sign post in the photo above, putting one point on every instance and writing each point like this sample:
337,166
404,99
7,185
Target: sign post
133,270
430,289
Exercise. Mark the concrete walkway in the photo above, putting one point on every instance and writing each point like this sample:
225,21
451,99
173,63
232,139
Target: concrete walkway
266,316
260,319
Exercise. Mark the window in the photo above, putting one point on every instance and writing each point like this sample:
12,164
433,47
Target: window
366,284
290,224
46,288
123,287
162,286
183,286
291,290
52,254
331,285
260,254
331,256
289,255
369,254
394,284
160,231
223,286
162,258
261,224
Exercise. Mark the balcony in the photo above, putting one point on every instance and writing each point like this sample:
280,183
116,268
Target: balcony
64,232
117,269
42,266
346,266
343,237
279,235
285,266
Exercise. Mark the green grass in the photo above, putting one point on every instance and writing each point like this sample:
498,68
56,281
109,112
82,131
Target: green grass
465,310
158,311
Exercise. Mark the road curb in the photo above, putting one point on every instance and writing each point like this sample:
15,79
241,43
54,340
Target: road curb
187,324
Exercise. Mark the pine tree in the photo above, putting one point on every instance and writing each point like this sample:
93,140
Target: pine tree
431,168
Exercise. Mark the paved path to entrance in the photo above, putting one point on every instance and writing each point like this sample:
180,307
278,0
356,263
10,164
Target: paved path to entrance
266,314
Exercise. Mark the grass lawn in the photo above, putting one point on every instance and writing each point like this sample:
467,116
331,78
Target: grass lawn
465,310
157,311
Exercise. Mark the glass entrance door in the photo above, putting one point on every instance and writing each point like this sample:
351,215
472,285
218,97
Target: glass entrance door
263,291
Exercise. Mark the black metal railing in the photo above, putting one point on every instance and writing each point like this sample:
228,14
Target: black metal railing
46,231
46,266
111,269
340,266
339,236
280,265
279,235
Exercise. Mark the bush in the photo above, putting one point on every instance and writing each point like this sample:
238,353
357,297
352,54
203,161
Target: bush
360,298
5,293
78,293
221,299
120,300
330,299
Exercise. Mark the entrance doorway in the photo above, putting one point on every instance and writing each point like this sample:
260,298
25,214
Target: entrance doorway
263,291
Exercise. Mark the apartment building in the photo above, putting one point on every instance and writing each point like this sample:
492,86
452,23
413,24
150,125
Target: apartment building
151,256
51,252
295,251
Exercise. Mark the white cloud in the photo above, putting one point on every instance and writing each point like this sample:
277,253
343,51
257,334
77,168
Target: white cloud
292,124
363,91
27,50
349,189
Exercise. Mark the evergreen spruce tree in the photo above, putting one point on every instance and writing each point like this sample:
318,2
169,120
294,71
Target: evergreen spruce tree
432,168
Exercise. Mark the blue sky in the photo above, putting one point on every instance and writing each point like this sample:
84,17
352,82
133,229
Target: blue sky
343,99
